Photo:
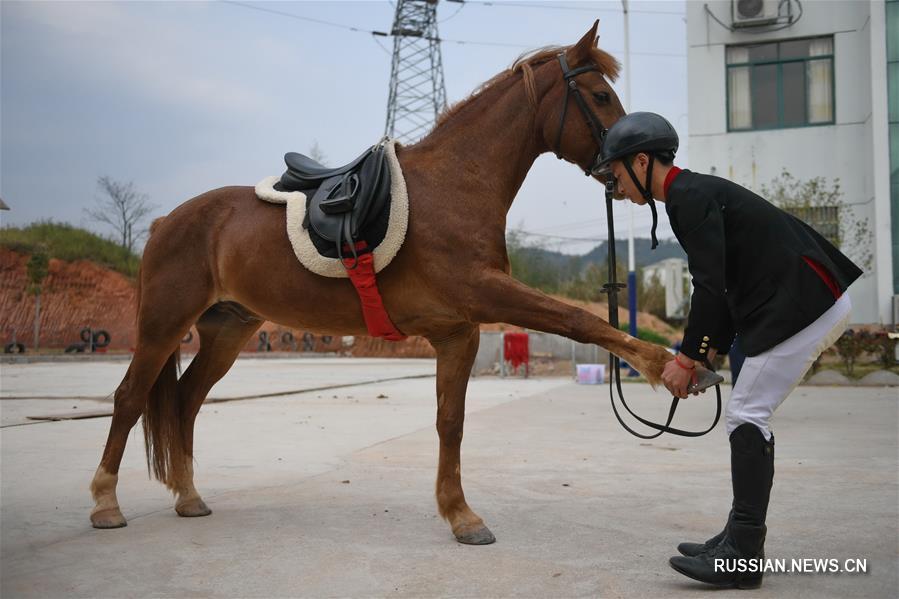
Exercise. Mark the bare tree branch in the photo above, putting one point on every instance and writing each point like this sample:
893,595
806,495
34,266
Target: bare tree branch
122,208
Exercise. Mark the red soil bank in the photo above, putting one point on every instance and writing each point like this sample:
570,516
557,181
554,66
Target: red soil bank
84,294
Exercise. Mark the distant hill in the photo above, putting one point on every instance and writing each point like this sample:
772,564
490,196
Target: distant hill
572,264
645,255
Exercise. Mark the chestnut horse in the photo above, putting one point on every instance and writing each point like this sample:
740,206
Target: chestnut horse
202,262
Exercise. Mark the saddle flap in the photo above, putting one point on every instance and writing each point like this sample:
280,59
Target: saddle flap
327,225
342,197
343,204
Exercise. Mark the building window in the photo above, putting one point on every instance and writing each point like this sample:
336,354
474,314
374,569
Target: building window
823,219
892,32
780,84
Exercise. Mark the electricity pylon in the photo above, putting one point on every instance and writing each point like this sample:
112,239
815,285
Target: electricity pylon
417,91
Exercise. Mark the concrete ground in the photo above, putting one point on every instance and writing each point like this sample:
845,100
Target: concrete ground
330,492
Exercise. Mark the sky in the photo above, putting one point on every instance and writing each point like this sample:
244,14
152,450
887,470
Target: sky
183,97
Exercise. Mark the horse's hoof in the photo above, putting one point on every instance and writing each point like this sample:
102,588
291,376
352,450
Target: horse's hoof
480,536
193,509
108,518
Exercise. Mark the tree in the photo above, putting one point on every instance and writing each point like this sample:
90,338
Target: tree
821,204
530,264
124,209
651,296
38,266
316,153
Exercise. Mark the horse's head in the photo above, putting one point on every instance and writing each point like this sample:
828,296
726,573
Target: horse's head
570,91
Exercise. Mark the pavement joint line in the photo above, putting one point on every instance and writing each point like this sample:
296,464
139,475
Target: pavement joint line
210,400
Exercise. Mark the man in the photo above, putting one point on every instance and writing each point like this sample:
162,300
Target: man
759,273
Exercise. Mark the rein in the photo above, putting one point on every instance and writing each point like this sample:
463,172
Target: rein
612,288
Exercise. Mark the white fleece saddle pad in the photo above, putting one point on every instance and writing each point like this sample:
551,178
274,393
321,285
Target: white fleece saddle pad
398,221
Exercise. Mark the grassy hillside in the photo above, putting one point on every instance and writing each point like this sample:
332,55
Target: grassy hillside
66,242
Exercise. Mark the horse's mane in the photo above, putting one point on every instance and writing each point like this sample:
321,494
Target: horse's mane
607,64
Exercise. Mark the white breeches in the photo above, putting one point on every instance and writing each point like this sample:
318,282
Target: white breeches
768,378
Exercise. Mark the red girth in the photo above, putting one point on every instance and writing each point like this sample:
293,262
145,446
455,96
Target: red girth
377,321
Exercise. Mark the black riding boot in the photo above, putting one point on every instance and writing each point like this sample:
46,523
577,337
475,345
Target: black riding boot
752,473
694,549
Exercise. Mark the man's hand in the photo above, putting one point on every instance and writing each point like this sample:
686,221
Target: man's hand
678,374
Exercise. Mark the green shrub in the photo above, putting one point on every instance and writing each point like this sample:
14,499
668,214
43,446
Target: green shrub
647,335
69,243
850,346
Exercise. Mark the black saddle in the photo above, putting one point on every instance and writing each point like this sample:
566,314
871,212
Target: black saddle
304,172
344,205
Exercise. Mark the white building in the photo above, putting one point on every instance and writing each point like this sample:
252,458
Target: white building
673,275
779,84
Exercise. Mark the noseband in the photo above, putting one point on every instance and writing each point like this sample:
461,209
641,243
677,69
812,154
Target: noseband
593,123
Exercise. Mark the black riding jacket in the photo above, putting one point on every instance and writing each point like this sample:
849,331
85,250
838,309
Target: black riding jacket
746,257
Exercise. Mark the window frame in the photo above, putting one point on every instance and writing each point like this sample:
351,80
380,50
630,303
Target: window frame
779,62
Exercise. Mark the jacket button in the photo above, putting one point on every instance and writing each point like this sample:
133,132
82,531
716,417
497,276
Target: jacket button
704,344
705,338
702,351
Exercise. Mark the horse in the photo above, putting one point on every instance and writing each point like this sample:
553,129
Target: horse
202,261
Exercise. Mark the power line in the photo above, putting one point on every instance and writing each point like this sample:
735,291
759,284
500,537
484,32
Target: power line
572,239
562,7
458,10
378,33
281,13
290,15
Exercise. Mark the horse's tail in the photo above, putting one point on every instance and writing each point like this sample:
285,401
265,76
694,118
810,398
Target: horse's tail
163,435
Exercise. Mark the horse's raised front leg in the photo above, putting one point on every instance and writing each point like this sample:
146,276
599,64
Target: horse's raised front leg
455,357
497,297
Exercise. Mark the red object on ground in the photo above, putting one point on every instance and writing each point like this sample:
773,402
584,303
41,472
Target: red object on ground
515,349
377,321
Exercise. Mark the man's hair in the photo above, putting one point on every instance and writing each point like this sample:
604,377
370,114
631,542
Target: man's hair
665,158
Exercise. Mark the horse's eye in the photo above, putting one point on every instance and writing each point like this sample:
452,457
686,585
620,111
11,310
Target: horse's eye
601,97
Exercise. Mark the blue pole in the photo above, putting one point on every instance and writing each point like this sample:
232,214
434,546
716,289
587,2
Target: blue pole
632,310
632,302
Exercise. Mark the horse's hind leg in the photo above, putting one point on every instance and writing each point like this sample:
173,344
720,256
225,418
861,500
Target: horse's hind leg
455,358
171,300
131,397
224,329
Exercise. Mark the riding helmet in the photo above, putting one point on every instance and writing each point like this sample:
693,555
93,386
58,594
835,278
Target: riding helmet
637,132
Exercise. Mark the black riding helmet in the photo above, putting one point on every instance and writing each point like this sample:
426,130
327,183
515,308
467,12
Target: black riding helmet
633,133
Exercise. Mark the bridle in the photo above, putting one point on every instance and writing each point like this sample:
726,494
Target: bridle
612,288
593,123
598,131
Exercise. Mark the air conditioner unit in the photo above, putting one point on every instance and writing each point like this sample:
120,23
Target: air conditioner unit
755,13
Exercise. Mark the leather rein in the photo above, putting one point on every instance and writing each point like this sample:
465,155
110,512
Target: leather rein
612,288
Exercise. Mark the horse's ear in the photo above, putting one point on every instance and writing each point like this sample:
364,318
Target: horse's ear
581,51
